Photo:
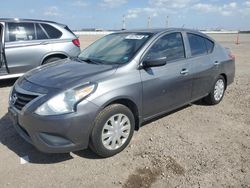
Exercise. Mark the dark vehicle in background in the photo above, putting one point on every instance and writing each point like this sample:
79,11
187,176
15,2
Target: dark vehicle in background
26,44
122,80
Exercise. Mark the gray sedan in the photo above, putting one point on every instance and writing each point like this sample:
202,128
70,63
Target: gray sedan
98,99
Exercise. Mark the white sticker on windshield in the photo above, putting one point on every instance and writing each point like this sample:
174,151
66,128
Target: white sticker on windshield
135,37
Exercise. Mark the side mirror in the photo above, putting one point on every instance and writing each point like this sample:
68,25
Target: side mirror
156,62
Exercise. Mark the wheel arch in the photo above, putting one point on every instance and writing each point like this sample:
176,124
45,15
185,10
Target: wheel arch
56,54
130,104
225,78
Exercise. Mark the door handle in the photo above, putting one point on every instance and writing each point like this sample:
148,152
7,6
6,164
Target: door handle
184,72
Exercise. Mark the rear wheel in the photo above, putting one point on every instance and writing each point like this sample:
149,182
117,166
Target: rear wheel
113,130
217,93
51,59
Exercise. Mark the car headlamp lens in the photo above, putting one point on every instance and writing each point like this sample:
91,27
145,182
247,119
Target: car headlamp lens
64,102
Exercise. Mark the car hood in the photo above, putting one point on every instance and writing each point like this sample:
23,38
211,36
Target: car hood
68,73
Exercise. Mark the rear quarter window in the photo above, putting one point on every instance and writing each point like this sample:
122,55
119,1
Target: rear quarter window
52,31
197,44
209,45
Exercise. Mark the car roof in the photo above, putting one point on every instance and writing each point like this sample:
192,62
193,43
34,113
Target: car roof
26,20
164,30
153,31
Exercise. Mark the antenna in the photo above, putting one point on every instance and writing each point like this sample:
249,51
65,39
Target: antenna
149,22
167,21
123,22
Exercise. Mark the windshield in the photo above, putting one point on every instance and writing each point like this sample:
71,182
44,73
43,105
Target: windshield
117,48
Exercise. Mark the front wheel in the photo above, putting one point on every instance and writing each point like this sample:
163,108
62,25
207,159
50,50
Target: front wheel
217,93
113,130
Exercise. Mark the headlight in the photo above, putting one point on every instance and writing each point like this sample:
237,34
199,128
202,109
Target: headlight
65,102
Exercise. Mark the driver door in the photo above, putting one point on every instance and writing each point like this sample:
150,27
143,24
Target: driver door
166,87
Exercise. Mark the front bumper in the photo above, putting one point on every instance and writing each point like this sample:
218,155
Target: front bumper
58,133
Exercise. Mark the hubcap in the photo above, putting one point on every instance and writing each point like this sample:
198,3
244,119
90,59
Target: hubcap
116,131
219,89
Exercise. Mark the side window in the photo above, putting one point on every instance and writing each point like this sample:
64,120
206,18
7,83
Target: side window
21,31
170,46
51,31
210,45
197,44
40,33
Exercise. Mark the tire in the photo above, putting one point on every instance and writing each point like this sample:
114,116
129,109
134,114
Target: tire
220,86
104,139
51,59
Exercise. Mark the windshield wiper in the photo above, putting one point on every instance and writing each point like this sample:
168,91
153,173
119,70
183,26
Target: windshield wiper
90,60
87,60
76,59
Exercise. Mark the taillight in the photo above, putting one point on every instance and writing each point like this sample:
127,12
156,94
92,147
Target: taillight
76,42
232,56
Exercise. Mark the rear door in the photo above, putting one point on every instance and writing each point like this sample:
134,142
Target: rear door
201,64
23,49
166,87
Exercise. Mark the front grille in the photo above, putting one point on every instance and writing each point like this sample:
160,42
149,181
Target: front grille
20,99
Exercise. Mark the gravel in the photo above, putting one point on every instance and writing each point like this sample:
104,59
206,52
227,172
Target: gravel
196,146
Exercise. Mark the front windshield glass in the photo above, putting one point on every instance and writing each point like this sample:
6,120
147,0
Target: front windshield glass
117,48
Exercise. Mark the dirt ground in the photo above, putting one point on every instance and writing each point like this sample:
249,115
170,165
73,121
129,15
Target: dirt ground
196,146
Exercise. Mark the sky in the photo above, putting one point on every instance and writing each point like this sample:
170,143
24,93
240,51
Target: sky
108,14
